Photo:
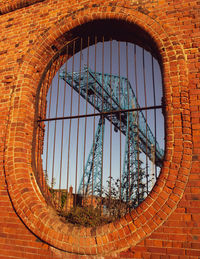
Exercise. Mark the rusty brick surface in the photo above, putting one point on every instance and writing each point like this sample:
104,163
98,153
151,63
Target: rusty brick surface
167,223
7,6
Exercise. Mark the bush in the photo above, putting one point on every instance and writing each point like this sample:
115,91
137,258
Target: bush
87,216
109,205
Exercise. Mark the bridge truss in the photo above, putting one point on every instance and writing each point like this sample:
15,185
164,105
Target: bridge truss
114,99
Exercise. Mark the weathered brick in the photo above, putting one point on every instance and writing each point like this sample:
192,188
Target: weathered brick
31,32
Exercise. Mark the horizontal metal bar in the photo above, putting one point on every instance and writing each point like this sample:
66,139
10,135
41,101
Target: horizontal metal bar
102,113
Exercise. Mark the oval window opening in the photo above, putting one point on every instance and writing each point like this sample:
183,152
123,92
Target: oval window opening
100,137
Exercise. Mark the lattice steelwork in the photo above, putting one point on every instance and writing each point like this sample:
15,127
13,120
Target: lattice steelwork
91,181
99,135
113,96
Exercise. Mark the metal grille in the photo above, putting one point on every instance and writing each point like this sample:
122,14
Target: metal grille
100,128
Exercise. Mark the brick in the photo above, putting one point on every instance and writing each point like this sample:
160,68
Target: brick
31,33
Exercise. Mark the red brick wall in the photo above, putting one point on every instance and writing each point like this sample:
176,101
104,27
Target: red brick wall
167,223
7,6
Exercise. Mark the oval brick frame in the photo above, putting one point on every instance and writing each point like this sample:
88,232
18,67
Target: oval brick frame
161,202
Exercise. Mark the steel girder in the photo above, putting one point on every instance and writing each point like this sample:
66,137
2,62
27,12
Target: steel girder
108,93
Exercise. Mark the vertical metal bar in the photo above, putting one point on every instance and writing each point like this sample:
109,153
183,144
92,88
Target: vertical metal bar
136,84
44,115
70,123
145,98
102,120
86,107
77,141
120,121
110,120
127,76
39,173
40,145
40,136
47,145
62,134
95,69
49,112
54,142
155,119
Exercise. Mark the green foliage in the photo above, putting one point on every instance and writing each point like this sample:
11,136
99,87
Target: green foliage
87,216
51,188
112,202
108,207
63,199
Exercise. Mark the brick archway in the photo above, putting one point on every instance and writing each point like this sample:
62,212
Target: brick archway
23,190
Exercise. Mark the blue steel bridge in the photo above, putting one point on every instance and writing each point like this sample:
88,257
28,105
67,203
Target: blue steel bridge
113,97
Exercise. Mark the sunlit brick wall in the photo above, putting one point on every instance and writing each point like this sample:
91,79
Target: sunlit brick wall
167,223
